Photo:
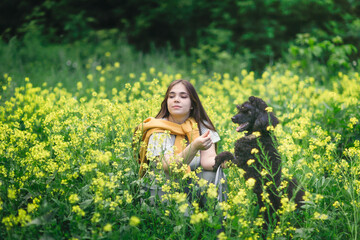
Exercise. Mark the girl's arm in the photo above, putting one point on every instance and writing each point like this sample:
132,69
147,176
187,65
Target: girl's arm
207,158
203,143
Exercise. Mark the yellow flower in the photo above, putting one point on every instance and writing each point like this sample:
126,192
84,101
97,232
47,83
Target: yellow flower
95,218
212,192
11,193
270,128
22,217
250,161
202,182
354,120
31,207
269,109
183,207
152,70
318,197
73,198
257,134
320,216
221,236
336,204
134,221
117,64
76,209
198,217
90,77
107,228
250,183
79,85
254,151
166,188
179,197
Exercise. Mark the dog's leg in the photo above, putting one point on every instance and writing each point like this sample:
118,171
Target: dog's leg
222,157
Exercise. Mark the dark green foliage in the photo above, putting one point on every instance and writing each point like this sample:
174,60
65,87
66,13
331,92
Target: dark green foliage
321,59
260,30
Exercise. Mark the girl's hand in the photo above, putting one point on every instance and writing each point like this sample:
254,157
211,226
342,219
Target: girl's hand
203,142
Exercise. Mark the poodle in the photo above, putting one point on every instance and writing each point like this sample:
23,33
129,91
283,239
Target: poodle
256,154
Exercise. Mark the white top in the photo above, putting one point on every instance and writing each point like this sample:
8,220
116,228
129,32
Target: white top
162,143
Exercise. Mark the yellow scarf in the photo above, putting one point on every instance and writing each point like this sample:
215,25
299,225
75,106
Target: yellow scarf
187,129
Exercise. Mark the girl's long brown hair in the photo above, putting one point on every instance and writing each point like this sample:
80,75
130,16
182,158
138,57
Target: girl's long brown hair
198,112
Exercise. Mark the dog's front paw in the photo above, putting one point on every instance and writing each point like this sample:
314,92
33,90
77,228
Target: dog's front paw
222,157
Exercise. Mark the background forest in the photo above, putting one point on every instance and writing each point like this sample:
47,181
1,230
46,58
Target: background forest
254,33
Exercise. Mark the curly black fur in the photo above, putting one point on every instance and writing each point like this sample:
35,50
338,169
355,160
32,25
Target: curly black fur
252,117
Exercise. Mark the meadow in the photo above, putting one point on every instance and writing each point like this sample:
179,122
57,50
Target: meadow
67,165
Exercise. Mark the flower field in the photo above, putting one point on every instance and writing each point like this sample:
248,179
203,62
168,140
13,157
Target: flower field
68,171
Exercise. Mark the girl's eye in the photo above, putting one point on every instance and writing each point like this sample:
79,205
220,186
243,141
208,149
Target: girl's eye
181,95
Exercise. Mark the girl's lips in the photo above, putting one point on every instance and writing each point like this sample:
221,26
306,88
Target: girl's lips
176,107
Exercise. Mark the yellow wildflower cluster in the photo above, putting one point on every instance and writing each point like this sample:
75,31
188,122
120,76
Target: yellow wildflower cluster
134,221
22,218
79,148
199,217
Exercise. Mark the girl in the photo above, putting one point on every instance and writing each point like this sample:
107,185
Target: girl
192,137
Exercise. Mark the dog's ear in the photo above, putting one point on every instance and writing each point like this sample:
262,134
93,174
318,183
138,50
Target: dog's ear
258,103
263,120
273,119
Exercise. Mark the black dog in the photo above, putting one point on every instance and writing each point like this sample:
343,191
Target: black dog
254,116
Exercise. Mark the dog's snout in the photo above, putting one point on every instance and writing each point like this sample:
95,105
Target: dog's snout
233,119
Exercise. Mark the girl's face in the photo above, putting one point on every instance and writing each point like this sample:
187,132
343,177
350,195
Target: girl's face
179,102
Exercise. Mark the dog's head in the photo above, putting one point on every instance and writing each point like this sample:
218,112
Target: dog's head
253,116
